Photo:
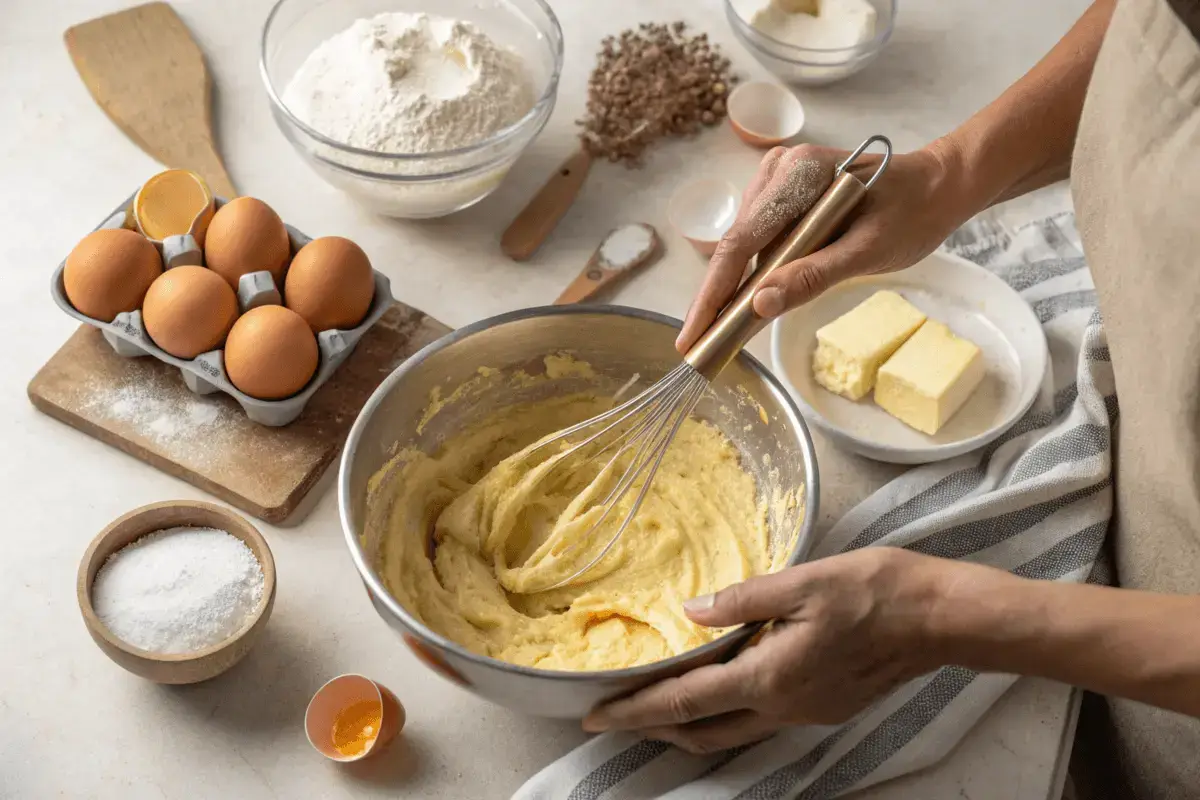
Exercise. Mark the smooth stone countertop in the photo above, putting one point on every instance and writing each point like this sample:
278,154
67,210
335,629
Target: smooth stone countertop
74,724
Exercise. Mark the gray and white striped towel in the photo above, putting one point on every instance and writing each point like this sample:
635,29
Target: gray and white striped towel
1036,502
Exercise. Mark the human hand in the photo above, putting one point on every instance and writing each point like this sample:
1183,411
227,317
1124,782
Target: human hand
847,629
907,214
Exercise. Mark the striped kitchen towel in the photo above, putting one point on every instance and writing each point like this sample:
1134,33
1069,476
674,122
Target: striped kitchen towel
1036,502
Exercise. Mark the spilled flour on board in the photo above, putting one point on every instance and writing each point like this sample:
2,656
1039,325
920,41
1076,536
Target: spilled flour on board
192,424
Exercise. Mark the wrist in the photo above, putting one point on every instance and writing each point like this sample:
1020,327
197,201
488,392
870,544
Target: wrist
985,619
953,186
916,600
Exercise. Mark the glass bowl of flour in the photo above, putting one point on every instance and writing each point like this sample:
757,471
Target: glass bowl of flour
410,111
812,42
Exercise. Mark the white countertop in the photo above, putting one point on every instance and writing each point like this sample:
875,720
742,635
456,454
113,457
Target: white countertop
74,724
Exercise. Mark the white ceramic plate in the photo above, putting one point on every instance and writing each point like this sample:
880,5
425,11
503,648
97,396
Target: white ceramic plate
975,304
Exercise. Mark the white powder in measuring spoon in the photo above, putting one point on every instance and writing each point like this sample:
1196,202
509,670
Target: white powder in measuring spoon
626,246
178,590
410,83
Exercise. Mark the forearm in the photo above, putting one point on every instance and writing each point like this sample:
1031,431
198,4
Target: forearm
1121,642
1024,139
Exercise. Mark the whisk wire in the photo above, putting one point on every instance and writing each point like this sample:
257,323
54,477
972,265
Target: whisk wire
688,395
633,404
633,431
637,464
662,412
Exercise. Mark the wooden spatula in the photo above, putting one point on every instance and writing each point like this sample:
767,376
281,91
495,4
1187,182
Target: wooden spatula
147,73
625,250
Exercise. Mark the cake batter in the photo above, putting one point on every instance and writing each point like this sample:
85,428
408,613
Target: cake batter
501,537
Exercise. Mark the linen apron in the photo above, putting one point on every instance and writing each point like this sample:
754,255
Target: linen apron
1136,187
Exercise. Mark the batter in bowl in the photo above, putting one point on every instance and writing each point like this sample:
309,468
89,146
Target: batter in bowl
499,536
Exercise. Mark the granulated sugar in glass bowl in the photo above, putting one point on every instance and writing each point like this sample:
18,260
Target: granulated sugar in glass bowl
398,175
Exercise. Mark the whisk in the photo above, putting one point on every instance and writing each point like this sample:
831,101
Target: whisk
646,424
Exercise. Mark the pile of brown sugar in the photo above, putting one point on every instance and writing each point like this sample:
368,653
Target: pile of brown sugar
651,83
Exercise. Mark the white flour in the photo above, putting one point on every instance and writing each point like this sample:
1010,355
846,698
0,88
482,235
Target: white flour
410,83
158,415
178,590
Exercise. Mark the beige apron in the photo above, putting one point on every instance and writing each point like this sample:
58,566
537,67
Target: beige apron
1136,187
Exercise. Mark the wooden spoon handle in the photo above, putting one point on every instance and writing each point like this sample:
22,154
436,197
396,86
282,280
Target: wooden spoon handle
586,283
535,222
599,273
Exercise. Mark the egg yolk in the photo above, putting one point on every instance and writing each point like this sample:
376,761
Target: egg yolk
169,203
356,726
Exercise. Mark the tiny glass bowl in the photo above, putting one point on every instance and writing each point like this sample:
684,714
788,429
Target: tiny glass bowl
810,66
413,185
182,667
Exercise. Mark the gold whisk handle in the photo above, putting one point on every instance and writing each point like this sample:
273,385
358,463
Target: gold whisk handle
738,322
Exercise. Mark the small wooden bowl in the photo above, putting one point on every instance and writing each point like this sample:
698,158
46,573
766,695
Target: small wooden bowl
183,667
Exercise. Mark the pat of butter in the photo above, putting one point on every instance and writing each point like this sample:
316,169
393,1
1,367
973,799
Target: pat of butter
929,378
851,349
811,7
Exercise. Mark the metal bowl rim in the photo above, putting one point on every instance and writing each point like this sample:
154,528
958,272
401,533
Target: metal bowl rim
375,586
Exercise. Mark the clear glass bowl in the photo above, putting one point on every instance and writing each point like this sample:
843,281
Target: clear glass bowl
805,65
405,184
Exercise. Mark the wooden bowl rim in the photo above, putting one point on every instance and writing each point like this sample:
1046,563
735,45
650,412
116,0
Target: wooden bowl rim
83,586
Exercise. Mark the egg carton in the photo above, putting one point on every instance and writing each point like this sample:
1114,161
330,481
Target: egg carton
205,373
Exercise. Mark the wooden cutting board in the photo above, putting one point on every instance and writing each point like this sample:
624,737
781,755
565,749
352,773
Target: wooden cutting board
141,406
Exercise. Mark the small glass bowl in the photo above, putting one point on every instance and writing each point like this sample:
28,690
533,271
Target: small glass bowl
409,185
808,66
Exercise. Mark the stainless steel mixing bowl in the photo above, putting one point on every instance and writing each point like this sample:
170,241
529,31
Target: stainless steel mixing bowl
747,403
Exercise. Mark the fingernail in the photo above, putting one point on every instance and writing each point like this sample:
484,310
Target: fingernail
595,723
769,302
701,603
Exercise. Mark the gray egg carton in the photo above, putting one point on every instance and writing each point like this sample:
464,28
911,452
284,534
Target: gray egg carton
205,374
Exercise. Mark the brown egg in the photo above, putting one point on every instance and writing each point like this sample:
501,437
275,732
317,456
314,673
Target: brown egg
246,235
271,353
189,310
330,284
109,272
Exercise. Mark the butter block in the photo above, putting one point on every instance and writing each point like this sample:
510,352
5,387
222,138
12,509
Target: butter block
851,349
929,377
810,7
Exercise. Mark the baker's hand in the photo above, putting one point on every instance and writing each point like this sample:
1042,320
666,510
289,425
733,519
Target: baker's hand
847,630
907,214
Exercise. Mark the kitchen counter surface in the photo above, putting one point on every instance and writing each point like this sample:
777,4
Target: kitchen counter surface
73,724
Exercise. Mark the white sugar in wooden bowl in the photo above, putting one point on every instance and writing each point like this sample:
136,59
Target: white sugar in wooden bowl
209,660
